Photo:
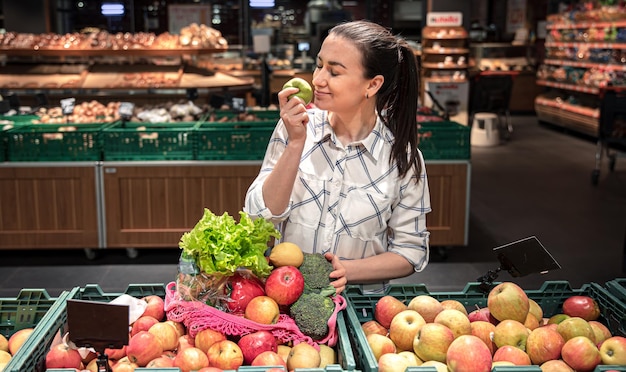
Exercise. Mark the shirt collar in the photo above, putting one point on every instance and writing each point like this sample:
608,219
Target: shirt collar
373,143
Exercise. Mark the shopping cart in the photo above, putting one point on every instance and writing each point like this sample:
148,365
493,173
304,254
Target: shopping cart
611,128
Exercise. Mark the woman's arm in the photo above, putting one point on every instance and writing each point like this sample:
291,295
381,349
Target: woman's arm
376,269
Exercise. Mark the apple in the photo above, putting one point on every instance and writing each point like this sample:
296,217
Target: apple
327,356
5,356
305,90
613,350
454,319
403,328
427,306
454,304
155,307
440,367
600,331
484,331
268,358
207,337
143,323
215,369
115,354
255,343
414,360
167,335
535,309
512,354
285,284
263,310
511,332
507,300
63,356
4,343
581,306
125,365
581,354
17,339
161,362
380,345
575,326
557,365
432,342
557,318
303,355
468,353
240,289
180,327
482,314
393,363
185,341
372,326
386,308
283,351
501,363
531,321
225,354
143,347
191,359
543,344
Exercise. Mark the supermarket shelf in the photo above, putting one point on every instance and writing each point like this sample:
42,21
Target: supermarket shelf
585,25
57,52
577,88
567,119
584,111
446,50
583,64
442,66
578,44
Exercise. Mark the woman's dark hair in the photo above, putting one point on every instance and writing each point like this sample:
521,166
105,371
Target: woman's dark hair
390,56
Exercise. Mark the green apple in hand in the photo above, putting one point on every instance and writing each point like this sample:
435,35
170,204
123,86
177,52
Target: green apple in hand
305,93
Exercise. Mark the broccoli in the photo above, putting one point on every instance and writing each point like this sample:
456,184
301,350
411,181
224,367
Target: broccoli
315,270
311,313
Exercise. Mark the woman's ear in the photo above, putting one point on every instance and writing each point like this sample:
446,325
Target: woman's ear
374,85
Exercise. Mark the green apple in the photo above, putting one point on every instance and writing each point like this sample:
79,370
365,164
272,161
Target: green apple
305,93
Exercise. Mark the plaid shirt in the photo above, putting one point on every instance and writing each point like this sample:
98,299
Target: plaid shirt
348,199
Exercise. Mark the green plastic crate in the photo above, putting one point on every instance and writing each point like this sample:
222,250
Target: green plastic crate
444,140
33,308
149,141
617,287
233,140
261,115
550,297
56,321
55,142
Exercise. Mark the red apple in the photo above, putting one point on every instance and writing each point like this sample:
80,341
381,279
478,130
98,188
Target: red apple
143,347
600,331
544,344
380,345
511,332
468,353
155,308
191,359
454,319
454,304
161,362
613,351
167,335
263,310
403,328
268,358
557,365
240,289
185,341
581,306
427,306
372,326
432,342
63,356
17,339
285,284
386,308
511,354
215,369
482,314
575,326
116,354
143,323
391,362
507,300
225,354
484,331
255,343
207,337
581,354
531,321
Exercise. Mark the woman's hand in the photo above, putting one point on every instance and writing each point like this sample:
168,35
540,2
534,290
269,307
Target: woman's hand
293,113
339,274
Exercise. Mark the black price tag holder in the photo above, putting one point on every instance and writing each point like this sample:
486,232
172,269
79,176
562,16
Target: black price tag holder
520,258
99,326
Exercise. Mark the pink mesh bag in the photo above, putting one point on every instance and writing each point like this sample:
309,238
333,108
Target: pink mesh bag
197,316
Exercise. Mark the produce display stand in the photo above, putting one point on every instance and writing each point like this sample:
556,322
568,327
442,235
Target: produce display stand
32,358
550,297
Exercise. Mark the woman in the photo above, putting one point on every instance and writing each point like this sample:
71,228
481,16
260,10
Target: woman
346,178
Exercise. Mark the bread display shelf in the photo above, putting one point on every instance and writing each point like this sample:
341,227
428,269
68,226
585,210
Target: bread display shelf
132,52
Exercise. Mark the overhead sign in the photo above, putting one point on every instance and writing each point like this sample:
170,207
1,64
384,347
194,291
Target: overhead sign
444,19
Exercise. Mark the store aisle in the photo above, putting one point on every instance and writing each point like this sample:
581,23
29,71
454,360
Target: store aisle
538,184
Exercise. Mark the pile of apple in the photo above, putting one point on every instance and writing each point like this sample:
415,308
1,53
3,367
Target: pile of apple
510,330
10,346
